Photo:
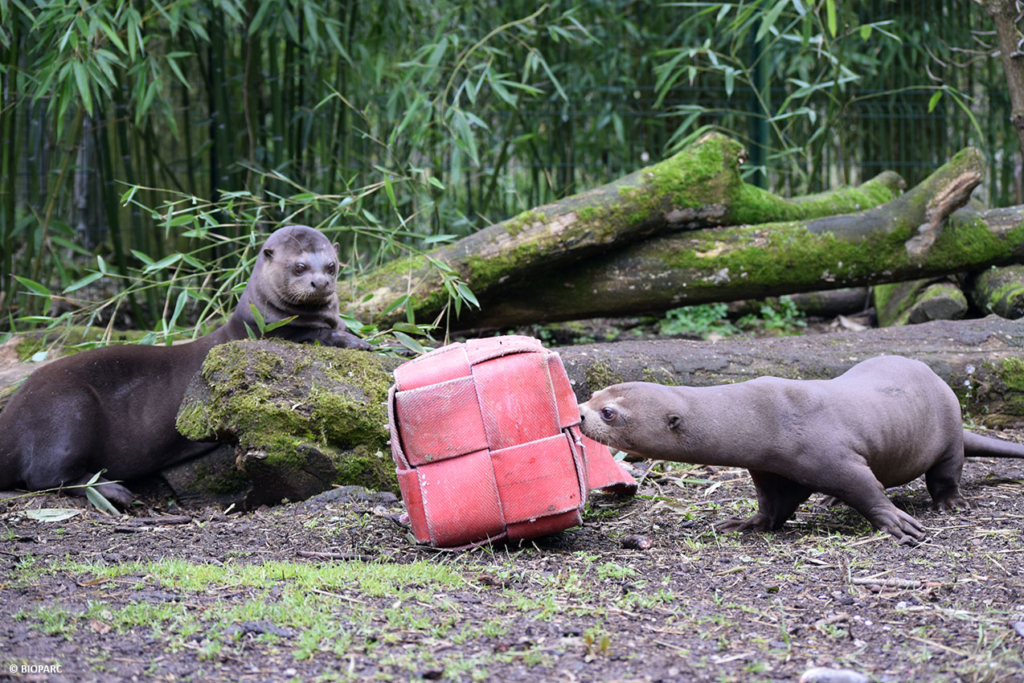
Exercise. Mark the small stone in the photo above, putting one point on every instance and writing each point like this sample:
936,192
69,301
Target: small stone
1019,628
637,542
820,674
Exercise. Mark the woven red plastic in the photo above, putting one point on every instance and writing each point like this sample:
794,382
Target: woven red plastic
486,442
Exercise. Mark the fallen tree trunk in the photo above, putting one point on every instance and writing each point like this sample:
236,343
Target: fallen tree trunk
699,187
901,240
306,418
822,304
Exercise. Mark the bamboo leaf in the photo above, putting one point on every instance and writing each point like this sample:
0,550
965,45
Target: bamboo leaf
87,280
408,342
52,514
770,18
33,285
84,88
100,501
466,293
934,101
179,306
261,323
830,11
280,323
162,264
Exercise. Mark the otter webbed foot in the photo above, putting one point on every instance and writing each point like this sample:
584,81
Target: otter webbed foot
758,522
346,340
115,493
951,501
901,526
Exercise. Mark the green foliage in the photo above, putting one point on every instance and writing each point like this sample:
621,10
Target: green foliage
703,320
777,317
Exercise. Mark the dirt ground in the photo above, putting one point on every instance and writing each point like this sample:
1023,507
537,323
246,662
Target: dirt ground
333,589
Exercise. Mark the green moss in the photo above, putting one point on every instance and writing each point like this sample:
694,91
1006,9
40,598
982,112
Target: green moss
660,376
705,173
1012,374
600,375
516,225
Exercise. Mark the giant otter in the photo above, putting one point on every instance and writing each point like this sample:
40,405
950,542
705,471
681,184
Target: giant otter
114,408
884,422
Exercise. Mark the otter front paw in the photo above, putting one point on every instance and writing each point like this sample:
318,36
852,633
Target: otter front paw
901,526
347,340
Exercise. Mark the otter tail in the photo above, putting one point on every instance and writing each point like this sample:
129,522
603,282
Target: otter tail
978,446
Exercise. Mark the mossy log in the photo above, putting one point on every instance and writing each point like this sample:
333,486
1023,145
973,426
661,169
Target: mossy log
919,301
999,291
699,187
913,236
306,418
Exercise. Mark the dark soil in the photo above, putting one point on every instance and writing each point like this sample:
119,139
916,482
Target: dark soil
246,597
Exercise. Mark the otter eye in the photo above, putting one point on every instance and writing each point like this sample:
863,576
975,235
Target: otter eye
607,414
330,268
300,268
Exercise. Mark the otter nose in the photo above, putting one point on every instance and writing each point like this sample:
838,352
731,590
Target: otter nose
318,282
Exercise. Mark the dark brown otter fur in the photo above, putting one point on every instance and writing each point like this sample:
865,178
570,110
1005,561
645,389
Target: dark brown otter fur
883,423
114,408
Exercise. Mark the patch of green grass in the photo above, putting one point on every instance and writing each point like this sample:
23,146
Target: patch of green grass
368,578
610,570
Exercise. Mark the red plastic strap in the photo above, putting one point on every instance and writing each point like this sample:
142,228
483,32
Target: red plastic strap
486,442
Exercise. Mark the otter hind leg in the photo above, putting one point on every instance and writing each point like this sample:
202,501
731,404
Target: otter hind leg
943,481
857,486
777,500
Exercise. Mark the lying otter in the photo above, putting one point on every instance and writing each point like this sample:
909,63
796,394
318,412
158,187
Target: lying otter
884,422
114,408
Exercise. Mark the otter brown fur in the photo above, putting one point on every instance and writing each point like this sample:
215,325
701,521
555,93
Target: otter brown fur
883,423
114,408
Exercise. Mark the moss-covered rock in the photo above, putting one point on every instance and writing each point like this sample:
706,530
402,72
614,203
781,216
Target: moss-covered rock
303,417
918,301
999,291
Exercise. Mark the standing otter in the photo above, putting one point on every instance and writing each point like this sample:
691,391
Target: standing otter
114,408
884,422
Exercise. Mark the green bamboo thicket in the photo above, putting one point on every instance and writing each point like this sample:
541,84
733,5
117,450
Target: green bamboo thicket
144,143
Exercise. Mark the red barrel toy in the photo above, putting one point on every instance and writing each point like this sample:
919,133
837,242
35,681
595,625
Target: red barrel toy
486,442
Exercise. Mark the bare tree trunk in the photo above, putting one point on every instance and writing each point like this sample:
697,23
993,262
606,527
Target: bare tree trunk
1003,13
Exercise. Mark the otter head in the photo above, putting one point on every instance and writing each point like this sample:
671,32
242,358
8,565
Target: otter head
636,417
302,266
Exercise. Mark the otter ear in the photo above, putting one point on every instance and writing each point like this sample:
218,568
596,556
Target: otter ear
337,249
269,253
675,423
